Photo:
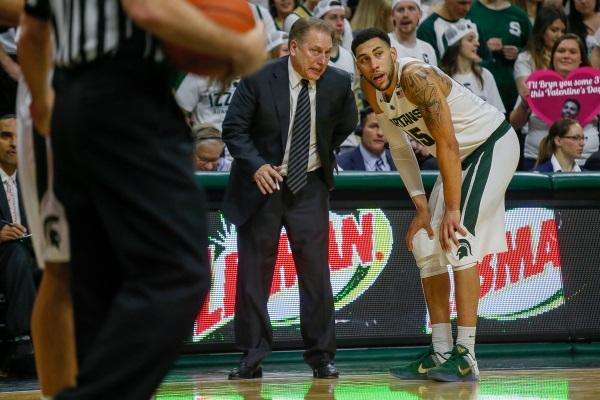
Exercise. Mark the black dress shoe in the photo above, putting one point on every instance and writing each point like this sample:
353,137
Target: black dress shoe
245,371
326,370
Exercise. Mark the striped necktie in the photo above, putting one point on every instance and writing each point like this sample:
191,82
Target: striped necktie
11,197
379,164
298,156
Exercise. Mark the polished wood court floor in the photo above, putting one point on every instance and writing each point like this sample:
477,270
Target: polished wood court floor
543,384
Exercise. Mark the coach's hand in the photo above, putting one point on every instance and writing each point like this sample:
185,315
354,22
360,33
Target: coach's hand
41,113
267,178
422,220
450,225
12,232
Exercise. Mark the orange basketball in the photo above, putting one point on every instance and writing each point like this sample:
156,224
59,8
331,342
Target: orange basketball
233,14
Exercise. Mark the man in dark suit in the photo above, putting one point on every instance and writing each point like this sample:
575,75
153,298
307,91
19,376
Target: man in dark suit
371,154
17,264
281,128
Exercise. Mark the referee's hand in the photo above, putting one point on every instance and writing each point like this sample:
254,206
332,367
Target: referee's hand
41,113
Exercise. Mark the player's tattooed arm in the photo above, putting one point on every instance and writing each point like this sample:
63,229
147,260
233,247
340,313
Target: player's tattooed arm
427,89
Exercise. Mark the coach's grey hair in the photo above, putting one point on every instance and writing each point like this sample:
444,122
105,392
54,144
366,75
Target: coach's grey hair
304,25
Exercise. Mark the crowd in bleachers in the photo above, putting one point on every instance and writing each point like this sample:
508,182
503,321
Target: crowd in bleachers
489,46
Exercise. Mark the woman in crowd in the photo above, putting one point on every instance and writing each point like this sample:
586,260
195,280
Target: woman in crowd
567,54
462,63
550,24
560,149
373,14
584,20
280,9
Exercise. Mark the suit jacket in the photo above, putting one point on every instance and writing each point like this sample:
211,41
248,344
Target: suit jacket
354,161
256,128
547,167
593,162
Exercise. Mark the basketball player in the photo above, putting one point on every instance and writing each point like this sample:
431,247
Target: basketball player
477,152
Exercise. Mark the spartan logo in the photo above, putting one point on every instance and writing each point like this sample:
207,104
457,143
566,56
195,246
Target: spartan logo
464,249
52,235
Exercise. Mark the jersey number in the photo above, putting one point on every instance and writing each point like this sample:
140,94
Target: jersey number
216,99
421,137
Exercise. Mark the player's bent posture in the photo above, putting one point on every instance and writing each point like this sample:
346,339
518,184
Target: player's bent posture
477,153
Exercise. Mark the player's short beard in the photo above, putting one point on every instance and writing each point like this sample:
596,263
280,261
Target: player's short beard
389,76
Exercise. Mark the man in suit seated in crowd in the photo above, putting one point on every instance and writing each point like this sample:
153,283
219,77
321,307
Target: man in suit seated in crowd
17,263
371,154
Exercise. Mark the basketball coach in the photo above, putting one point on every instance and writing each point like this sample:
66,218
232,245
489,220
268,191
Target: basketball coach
281,128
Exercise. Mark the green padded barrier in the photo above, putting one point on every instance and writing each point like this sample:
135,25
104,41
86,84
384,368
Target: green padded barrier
391,180
580,180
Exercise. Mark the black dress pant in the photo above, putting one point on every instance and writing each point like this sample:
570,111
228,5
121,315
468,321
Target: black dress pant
18,284
305,217
123,168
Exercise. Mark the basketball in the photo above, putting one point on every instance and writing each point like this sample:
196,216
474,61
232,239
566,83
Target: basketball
233,14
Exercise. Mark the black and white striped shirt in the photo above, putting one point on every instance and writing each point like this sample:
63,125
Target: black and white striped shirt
87,30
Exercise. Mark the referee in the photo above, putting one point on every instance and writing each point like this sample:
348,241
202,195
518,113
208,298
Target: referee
123,171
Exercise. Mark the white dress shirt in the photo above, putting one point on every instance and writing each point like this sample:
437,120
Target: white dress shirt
370,159
295,86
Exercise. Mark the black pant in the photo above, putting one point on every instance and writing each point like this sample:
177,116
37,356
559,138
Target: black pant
8,91
18,283
306,220
123,166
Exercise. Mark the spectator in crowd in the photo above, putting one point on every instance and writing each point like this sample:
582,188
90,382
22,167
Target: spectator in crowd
263,15
462,63
277,44
570,109
307,10
504,29
441,18
531,8
372,14
595,56
567,54
333,13
208,149
371,154
406,15
280,9
584,20
9,70
561,147
550,24
18,268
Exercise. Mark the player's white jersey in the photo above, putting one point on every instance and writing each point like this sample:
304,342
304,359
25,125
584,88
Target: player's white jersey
205,99
421,50
474,120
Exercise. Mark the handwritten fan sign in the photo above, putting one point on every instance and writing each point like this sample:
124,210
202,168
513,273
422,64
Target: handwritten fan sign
552,97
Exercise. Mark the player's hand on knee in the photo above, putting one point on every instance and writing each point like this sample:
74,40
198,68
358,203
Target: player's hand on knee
448,228
422,220
267,178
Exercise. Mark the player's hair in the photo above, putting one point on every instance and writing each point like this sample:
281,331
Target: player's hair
367,34
535,45
304,25
449,62
7,116
547,146
585,61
